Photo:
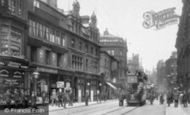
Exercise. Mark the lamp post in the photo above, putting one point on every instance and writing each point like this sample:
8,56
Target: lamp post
100,85
36,75
87,94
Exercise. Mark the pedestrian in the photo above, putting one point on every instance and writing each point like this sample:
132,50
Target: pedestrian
169,98
71,98
64,98
176,98
98,97
180,97
86,98
185,99
59,95
121,97
33,100
161,99
53,97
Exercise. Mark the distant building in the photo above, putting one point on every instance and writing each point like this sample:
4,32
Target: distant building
41,48
133,64
109,71
108,66
171,71
117,47
161,82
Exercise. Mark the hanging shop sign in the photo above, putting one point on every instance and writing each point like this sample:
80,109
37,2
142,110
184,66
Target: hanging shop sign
160,19
60,84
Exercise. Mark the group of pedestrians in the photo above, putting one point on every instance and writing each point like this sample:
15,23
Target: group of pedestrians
177,97
15,98
61,98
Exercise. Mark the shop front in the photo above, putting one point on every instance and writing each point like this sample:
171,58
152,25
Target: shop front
43,82
13,82
81,89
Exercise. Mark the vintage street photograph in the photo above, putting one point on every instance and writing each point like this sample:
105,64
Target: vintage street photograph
94,57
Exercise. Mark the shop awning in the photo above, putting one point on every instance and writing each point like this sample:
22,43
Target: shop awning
111,85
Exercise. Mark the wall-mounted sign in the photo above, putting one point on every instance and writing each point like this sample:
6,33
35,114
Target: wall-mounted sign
47,70
17,74
4,73
60,84
160,19
14,64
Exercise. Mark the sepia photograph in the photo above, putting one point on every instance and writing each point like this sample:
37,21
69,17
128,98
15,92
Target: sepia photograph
94,57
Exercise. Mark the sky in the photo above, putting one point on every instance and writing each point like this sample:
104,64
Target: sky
124,18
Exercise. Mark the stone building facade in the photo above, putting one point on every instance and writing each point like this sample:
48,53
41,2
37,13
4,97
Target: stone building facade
183,48
117,47
37,38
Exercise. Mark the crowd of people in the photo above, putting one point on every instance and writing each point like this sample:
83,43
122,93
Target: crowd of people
177,97
173,96
61,98
15,98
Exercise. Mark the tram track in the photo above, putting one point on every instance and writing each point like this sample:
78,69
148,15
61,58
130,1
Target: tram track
119,109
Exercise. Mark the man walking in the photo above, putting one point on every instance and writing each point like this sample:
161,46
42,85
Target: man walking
176,97
185,99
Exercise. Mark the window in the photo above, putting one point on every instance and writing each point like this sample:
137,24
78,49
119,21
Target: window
48,56
63,39
72,43
92,50
11,41
77,62
2,2
12,6
20,7
86,47
96,52
80,45
33,54
47,34
41,31
36,3
87,64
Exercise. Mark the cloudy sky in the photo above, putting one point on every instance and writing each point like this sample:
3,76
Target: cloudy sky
124,18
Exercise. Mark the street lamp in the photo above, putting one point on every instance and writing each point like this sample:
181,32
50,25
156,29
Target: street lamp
36,75
87,94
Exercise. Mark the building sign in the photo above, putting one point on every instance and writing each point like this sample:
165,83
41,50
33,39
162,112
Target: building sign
160,19
60,84
47,70
17,74
132,79
14,64
4,73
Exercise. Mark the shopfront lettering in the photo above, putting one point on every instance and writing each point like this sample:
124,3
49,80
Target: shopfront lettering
11,81
14,64
160,19
47,70
4,73
17,74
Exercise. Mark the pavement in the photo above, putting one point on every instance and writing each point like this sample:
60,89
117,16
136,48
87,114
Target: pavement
180,110
77,104
111,107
